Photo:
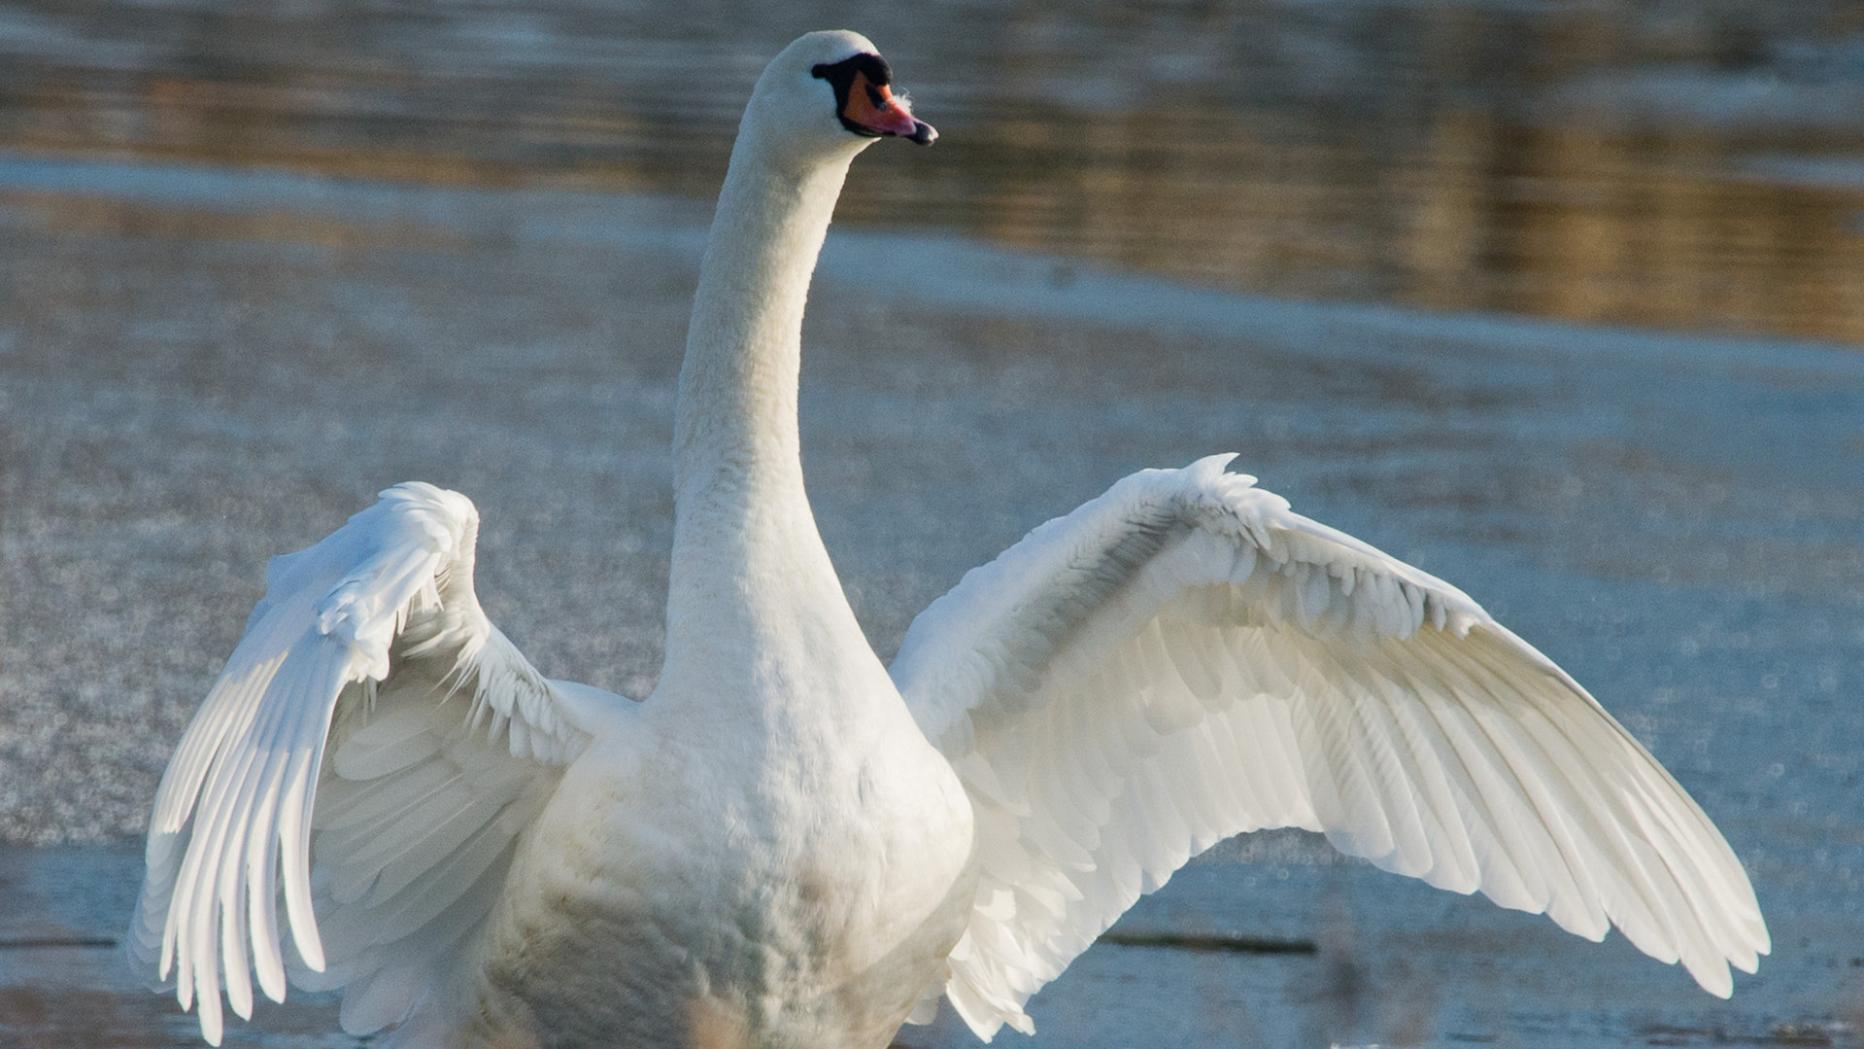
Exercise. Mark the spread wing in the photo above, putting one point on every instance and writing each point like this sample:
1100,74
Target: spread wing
371,648
1184,658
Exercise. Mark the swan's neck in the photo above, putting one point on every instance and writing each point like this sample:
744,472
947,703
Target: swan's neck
747,559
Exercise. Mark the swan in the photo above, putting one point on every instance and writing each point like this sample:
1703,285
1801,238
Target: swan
792,844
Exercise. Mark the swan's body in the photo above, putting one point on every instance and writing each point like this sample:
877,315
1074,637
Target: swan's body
725,890
791,845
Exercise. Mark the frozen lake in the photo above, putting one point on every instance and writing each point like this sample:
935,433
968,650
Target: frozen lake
1674,518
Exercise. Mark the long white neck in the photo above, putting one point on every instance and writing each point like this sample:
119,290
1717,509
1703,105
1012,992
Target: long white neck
736,418
747,558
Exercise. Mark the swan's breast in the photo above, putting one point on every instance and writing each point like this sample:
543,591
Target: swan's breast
678,900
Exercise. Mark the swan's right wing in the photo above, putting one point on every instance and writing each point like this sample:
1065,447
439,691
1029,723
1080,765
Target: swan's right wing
1185,658
444,743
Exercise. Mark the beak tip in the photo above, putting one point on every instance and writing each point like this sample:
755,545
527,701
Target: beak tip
923,133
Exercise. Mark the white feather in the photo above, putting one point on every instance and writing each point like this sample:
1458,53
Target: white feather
1191,659
421,805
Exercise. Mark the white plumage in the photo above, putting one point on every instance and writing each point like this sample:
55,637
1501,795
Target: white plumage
1185,658
790,845
435,769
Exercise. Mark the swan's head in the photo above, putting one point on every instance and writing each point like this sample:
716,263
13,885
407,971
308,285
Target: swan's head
830,93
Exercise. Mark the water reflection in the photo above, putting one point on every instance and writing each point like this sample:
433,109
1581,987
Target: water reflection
1593,161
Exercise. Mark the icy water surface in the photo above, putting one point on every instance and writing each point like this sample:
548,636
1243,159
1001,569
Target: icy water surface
200,368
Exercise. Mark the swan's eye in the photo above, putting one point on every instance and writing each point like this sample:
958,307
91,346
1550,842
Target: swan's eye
865,104
860,88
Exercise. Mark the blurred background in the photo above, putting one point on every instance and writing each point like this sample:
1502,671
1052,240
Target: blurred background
1560,301
1689,164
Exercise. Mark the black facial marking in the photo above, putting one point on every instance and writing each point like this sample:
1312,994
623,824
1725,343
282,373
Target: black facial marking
840,76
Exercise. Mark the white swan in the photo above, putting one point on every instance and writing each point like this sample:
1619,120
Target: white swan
789,845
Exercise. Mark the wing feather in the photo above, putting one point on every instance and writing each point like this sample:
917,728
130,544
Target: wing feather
1185,658
354,654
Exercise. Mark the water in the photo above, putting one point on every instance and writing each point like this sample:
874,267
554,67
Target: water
204,367
203,364
1690,165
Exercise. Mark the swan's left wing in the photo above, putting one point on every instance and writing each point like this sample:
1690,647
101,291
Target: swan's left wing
443,743
1184,658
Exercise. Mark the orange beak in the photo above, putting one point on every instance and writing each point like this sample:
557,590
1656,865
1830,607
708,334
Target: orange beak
873,108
